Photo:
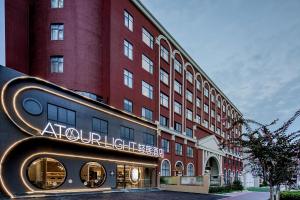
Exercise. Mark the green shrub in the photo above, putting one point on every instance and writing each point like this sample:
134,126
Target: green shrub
236,186
290,195
263,184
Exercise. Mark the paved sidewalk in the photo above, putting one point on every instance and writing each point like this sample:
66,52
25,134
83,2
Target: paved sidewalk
248,196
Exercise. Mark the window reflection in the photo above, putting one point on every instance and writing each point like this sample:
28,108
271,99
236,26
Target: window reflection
46,173
93,174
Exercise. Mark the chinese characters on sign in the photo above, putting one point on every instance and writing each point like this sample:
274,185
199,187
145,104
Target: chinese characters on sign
62,132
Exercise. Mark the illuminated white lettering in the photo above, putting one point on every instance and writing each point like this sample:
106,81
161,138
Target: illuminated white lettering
49,125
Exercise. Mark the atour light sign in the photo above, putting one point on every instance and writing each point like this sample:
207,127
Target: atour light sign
62,132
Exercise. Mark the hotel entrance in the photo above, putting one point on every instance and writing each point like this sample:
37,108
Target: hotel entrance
130,176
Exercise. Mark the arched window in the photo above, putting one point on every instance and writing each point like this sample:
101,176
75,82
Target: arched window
225,176
92,174
190,170
165,168
228,177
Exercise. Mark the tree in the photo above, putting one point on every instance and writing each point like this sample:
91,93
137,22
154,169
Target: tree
272,154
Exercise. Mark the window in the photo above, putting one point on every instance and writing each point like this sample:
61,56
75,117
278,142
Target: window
177,107
93,174
219,104
164,77
128,105
198,85
177,127
189,96
212,112
198,119
190,170
178,149
205,123
163,121
127,133
218,131
147,90
57,64
198,103
148,139
189,132
212,98
165,144
223,108
164,53
177,66
61,115
128,49
189,114
190,152
57,3
165,168
128,78
100,126
212,127
147,64
57,31
147,114
147,38
128,20
206,108
164,100
43,171
206,92
218,118
189,77
177,87
88,95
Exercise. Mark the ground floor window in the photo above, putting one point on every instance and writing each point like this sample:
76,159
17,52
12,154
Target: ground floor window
93,174
190,170
46,173
165,168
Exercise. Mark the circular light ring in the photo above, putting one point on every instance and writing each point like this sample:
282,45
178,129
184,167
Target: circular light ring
32,106
95,182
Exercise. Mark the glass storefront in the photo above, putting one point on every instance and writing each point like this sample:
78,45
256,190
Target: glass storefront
46,173
93,174
129,176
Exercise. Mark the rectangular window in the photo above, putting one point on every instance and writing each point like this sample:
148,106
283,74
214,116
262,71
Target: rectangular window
212,98
177,127
57,31
164,77
198,85
164,100
147,38
100,126
198,103
128,20
148,139
189,77
198,119
61,115
218,118
189,96
128,78
147,64
223,108
163,121
164,53
212,128
128,49
57,3
57,64
219,104
189,132
190,152
147,90
177,87
205,123
127,134
189,114
178,149
177,66
177,107
206,92
206,108
165,144
212,112
147,114
128,105
218,131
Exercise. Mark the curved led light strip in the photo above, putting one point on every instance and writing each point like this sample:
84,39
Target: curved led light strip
73,156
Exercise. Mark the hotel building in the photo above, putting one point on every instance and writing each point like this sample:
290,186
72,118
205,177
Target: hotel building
116,53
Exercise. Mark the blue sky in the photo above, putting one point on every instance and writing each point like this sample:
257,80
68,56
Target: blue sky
250,49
